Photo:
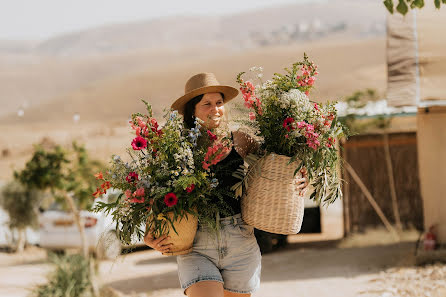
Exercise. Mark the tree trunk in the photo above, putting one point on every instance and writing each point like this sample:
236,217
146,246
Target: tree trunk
395,208
20,247
79,222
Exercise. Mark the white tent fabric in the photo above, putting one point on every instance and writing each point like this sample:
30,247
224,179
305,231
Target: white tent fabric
416,57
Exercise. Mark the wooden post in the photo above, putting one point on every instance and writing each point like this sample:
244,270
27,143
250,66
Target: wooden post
371,200
346,208
388,158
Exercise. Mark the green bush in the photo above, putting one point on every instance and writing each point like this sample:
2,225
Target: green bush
72,278
21,204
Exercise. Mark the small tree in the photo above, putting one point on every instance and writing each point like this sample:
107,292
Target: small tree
21,204
403,6
65,175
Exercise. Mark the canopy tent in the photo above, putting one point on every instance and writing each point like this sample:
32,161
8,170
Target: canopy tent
416,57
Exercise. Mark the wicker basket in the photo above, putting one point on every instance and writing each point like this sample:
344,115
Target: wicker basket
271,202
183,241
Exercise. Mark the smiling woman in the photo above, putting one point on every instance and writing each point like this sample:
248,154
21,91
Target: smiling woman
227,263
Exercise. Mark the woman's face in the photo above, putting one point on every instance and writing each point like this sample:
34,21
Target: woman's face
210,109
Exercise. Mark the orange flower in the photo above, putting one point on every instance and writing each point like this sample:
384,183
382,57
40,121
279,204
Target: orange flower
99,175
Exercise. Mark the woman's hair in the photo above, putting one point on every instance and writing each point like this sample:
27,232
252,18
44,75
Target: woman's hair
189,110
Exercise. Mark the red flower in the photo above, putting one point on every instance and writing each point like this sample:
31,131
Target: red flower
106,185
190,188
139,143
287,124
97,193
170,199
212,136
132,177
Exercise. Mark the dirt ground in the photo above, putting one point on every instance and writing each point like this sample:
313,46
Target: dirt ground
300,269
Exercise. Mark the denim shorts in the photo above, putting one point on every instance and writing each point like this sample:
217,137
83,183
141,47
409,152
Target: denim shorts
232,258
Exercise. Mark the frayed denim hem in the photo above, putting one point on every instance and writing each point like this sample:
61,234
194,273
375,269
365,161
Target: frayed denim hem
239,292
200,279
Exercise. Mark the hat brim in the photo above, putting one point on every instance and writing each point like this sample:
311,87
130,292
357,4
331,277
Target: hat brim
228,92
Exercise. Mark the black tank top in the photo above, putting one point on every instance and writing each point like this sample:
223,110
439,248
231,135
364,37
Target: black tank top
223,172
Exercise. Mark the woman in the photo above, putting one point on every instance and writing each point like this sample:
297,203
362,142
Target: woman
227,265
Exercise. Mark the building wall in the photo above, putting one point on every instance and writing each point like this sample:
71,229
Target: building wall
432,155
366,154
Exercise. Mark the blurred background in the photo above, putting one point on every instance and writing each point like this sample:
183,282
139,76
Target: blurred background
75,71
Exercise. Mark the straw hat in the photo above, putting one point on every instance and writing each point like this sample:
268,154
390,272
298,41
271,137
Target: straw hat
200,84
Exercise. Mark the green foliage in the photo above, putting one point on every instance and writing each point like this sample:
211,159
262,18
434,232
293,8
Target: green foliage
45,169
79,178
71,278
356,101
403,6
21,204
359,100
56,169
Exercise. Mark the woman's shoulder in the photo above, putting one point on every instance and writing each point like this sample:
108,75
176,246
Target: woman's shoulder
244,143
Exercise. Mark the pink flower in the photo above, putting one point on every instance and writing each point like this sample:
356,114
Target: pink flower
287,124
311,80
214,155
139,143
190,188
211,135
170,199
307,92
132,177
286,136
138,196
247,90
137,200
301,125
206,165
252,116
139,192
316,106
128,194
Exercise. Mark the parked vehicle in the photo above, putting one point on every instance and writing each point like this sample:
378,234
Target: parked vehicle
58,231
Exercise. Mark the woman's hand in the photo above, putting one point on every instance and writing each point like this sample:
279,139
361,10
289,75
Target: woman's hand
301,184
160,244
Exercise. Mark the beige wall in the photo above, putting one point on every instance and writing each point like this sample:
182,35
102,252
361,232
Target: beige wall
432,163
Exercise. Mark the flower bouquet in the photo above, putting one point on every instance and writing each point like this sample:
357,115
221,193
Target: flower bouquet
295,133
165,183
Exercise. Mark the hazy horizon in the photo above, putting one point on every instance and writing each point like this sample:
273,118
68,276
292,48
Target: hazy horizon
34,21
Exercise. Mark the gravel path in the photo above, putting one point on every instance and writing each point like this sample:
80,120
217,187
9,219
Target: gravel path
298,270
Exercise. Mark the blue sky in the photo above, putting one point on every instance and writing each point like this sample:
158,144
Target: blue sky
40,19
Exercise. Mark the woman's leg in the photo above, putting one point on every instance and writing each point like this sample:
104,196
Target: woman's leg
231,294
206,289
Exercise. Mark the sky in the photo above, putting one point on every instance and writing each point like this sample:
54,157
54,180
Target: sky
41,19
